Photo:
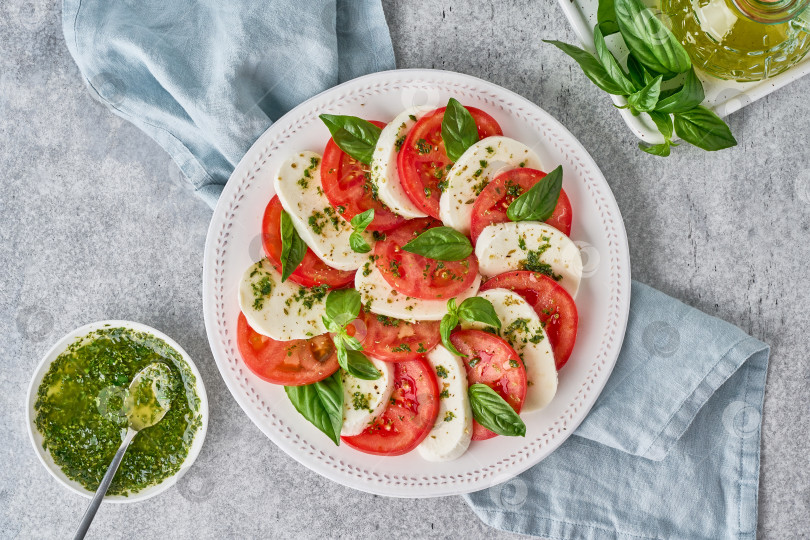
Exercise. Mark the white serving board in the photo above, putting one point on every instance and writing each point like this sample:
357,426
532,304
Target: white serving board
723,97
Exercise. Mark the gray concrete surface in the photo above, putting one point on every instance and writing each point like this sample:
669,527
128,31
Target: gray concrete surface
96,223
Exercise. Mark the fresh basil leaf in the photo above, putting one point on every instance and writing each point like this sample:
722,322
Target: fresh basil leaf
331,325
358,243
704,129
637,73
590,66
645,99
538,203
446,327
652,43
663,121
360,222
363,220
477,309
452,307
459,131
357,365
689,96
355,136
606,16
352,343
440,243
342,306
656,149
610,64
342,354
293,248
494,413
321,403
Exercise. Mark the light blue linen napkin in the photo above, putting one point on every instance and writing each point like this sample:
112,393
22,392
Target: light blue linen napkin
671,449
205,78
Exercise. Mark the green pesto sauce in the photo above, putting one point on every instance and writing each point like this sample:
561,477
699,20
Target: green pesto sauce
81,415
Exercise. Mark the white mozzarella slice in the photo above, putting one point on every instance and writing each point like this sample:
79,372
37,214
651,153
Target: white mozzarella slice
524,245
474,170
364,401
384,172
379,297
452,431
521,327
298,186
282,311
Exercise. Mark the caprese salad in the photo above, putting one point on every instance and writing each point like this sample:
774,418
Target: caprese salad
418,286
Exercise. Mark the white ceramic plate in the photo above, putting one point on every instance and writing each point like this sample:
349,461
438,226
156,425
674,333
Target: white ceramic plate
234,242
36,437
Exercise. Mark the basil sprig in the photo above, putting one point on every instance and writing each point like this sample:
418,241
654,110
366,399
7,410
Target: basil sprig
538,203
440,243
360,222
473,309
293,248
321,403
342,307
494,413
655,56
355,136
458,129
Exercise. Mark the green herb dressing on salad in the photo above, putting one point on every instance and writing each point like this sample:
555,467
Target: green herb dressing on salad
81,410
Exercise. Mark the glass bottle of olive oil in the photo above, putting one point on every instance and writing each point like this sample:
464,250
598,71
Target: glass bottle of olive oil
742,40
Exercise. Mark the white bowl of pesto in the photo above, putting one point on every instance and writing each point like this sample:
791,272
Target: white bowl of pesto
75,412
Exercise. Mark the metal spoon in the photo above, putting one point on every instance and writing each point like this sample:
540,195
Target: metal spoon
145,405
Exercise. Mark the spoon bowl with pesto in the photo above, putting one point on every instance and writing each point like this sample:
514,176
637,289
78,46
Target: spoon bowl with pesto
85,400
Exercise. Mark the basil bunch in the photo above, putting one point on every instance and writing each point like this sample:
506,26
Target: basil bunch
322,402
655,56
360,222
342,307
473,309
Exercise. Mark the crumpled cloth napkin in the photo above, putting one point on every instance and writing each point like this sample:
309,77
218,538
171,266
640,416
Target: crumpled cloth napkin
671,448
205,78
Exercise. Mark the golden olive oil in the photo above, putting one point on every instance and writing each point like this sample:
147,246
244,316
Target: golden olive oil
742,40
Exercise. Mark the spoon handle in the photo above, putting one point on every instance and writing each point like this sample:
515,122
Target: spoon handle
105,484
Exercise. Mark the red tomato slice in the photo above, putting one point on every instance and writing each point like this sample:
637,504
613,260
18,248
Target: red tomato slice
417,276
555,307
347,185
291,363
423,163
395,340
409,416
312,271
490,207
492,361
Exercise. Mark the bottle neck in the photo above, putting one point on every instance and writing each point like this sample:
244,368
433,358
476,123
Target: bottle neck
771,11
